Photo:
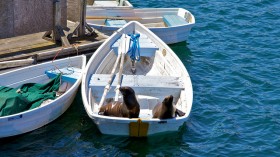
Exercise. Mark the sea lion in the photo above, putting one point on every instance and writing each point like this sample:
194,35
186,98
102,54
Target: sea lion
166,109
129,108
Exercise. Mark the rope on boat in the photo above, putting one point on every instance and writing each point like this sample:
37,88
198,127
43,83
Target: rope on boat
134,49
55,58
70,67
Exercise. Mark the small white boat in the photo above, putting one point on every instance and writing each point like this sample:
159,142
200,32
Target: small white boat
108,4
159,73
71,70
172,25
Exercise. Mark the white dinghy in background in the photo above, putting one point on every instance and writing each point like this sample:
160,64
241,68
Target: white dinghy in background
19,123
172,25
159,73
109,4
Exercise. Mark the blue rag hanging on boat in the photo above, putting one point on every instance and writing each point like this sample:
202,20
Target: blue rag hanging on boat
28,96
134,49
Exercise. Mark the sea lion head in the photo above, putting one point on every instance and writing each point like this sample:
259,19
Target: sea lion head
165,109
130,101
168,101
126,91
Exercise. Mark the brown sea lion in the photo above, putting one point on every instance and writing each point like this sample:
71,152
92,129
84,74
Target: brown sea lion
166,109
129,108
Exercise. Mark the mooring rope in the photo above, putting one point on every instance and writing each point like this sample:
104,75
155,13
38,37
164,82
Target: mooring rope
70,67
134,38
55,58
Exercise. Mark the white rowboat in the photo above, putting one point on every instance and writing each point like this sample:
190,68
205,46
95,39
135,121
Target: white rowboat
172,25
159,73
35,118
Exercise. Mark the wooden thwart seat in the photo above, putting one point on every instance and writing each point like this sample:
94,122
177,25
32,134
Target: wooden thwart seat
70,74
157,85
147,47
174,20
115,23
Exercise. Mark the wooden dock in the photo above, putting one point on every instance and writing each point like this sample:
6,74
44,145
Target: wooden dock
28,45
32,48
60,38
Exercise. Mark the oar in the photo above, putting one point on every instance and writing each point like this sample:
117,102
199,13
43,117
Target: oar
114,17
107,87
124,49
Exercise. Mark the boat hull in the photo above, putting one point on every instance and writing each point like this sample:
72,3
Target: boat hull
122,128
26,122
170,34
126,126
30,120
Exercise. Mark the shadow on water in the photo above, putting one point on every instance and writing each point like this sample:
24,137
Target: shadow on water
161,144
183,52
181,47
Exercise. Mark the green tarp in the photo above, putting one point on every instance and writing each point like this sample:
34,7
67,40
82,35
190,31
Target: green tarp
28,96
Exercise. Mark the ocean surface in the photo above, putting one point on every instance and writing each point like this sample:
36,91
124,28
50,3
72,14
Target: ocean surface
233,58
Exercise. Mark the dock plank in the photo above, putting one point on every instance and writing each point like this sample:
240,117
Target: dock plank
29,45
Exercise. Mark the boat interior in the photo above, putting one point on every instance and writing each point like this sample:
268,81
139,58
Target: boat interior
155,18
155,77
70,73
37,85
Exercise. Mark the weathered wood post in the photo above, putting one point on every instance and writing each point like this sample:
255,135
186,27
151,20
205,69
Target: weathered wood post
57,29
57,19
82,21
76,10
58,33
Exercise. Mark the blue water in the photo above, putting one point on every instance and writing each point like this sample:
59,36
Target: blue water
233,57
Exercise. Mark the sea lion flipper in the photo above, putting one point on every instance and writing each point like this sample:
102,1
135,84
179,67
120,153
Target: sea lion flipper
100,113
179,113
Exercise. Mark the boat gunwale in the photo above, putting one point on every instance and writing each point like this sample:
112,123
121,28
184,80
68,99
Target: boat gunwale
52,103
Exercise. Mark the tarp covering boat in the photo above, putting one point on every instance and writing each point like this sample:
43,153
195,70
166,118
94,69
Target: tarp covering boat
28,96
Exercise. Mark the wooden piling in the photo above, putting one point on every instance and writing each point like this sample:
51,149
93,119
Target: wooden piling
82,17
